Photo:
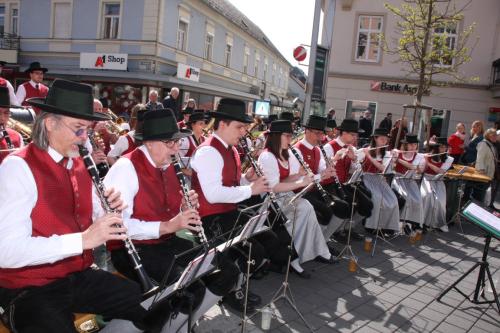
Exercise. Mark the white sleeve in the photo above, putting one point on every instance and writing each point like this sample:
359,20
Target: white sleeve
123,177
294,164
21,94
120,146
269,165
12,96
18,248
387,158
322,162
184,146
328,150
419,160
208,164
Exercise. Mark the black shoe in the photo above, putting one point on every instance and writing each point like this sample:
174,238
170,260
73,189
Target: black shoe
236,301
330,261
341,237
304,274
280,269
333,251
254,299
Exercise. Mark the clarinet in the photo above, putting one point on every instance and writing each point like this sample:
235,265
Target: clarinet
148,287
324,194
338,184
185,194
6,136
258,170
103,167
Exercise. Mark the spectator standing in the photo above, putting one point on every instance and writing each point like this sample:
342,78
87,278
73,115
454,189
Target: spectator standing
476,134
153,104
456,143
486,163
172,102
365,124
386,122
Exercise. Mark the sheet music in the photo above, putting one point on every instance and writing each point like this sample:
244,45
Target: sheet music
190,271
474,210
255,224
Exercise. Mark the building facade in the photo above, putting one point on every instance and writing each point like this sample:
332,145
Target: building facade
362,77
125,48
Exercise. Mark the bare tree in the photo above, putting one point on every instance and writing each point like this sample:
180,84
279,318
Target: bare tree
431,46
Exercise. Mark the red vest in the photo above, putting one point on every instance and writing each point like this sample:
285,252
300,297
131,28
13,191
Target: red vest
131,144
181,124
284,172
401,168
231,175
310,156
369,167
343,165
57,211
32,92
192,145
3,82
16,141
158,198
428,170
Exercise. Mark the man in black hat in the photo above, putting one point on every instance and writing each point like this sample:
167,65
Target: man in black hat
9,138
330,131
50,223
34,87
218,180
147,180
310,152
8,85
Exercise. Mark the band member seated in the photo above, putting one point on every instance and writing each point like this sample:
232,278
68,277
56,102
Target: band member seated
330,131
196,123
34,88
284,176
408,159
126,143
152,193
342,152
218,180
186,113
9,138
311,154
50,222
432,189
375,159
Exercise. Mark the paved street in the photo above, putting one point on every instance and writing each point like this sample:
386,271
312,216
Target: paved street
396,293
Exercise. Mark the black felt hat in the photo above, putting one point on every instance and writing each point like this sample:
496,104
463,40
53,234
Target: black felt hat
35,66
188,110
161,125
5,99
331,124
442,141
349,125
281,126
410,138
197,115
285,115
380,132
316,122
70,99
232,109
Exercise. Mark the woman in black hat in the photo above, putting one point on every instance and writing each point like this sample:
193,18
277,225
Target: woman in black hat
196,123
284,176
34,87
433,190
375,159
409,160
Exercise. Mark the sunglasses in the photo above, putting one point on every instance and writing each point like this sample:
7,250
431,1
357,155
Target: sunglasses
79,132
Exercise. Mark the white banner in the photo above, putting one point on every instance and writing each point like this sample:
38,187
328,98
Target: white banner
188,72
115,61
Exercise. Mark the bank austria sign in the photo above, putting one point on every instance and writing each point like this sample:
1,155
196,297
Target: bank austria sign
398,88
113,61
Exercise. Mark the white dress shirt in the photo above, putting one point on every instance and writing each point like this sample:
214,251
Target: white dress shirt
121,145
21,92
328,147
122,176
12,96
269,165
208,164
385,160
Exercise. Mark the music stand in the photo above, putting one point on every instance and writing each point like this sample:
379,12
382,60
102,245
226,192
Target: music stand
284,292
490,224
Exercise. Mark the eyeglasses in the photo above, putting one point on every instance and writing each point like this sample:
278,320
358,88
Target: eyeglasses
171,143
79,132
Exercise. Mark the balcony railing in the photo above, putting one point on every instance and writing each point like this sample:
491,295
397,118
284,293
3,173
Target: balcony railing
9,41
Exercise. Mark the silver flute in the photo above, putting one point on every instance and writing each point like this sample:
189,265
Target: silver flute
148,287
185,193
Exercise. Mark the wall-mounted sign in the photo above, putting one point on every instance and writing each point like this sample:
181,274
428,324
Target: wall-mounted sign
398,88
188,72
114,61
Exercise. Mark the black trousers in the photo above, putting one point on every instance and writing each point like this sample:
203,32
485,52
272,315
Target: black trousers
50,308
158,259
266,245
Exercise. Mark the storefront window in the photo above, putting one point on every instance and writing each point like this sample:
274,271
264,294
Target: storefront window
121,98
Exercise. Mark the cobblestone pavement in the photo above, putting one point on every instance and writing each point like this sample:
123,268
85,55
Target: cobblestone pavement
395,291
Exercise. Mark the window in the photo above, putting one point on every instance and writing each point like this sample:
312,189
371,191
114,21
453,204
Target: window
265,68
14,20
209,46
444,40
229,48
368,40
245,60
273,76
256,65
62,20
2,19
182,35
111,22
